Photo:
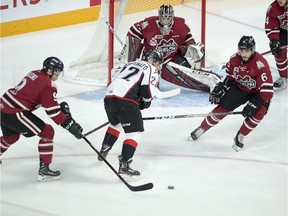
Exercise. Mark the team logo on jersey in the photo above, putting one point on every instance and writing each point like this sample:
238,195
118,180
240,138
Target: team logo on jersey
247,82
158,37
167,47
153,42
144,24
283,21
259,64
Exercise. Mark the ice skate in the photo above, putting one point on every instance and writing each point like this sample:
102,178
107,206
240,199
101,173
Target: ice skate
126,171
45,174
281,82
196,133
238,142
104,152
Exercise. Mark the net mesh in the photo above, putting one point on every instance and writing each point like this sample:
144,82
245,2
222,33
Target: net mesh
92,65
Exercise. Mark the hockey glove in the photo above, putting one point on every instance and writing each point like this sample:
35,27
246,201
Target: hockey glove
65,109
217,93
275,47
144,104
252,106
73,127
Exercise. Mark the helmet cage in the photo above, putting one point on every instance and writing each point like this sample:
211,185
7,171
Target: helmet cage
166,11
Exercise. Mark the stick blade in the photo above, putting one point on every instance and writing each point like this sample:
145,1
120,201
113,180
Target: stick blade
144,187
166,94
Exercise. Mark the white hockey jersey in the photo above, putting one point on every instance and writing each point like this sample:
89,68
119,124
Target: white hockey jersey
134,80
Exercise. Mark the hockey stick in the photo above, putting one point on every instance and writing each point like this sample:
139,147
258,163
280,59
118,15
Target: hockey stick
143,187
117,36
166,94
171,117
95,129
264,53
269,51
192,115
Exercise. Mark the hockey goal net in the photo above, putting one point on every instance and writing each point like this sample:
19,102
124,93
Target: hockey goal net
116,17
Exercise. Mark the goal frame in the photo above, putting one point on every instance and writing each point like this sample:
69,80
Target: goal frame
111,36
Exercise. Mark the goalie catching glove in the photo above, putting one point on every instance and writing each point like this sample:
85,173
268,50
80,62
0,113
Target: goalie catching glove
70,124
144,103
194,54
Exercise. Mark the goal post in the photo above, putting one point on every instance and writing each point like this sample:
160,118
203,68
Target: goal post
94,66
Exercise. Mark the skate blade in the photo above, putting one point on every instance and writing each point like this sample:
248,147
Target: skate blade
98,163
236,148
190,138
42,178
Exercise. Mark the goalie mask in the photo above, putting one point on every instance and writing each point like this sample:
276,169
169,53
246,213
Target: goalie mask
54,64
166,18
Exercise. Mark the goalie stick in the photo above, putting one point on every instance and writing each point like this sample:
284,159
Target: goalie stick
143,187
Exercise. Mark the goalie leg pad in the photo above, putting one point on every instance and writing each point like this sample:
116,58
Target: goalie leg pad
178,77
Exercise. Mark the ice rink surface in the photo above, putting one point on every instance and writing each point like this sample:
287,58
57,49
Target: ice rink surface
209,177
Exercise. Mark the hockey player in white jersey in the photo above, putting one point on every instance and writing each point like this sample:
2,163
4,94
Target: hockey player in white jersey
131,90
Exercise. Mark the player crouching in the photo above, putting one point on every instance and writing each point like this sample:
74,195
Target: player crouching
248,79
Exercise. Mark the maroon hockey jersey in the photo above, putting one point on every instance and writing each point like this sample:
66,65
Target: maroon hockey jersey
35,90
253,76
276,19
148,31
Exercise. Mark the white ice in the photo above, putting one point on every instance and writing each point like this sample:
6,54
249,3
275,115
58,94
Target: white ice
209,177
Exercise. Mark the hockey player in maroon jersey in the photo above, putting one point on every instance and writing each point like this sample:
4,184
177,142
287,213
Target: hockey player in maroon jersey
276,27
36,89
248,79
171,36
131,90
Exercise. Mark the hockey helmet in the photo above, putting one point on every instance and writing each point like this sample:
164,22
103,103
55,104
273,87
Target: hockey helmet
154,55
53,63
166,11
247,42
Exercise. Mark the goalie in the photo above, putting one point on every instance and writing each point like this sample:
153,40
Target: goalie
172,37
